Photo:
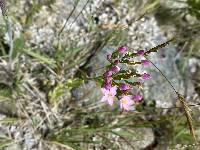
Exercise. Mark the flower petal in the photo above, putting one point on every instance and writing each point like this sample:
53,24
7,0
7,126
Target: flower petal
127,107
104,91
104,98
121,105
110,101
113,90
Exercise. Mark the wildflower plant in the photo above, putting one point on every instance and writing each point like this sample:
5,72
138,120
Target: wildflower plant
117,78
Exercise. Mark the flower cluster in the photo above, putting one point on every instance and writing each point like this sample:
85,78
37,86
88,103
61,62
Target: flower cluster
116,84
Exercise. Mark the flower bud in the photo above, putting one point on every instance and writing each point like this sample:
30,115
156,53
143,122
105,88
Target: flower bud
108,73
140,52
137,97
122,49
146,76
145,62
108,79
107,86
124,86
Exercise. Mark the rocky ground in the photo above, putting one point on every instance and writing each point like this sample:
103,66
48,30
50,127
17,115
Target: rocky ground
42,96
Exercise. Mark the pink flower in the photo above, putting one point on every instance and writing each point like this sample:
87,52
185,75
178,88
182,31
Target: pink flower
146,76
126,102
122,49
137,97
115,69
145,62
140,52
124,86
109,95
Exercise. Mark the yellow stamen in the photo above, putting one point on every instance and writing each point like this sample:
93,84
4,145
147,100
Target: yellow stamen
125,101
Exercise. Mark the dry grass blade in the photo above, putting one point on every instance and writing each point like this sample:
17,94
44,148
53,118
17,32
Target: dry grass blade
187,111
74,8
185,106
79,13
120,26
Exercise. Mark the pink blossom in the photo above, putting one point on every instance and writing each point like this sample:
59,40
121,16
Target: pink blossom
145,62
140,52
146,76
137,97
122,49
124,86
109,95
115,69
126,102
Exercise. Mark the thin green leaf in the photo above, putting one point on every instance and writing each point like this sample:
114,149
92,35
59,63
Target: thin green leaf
40,57
4,141
10,120
125,134
18,45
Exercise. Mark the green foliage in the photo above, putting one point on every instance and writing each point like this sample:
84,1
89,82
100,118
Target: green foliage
194,8
10,120
19,45
40,57
5,92
150,6
61,88
4,141
92,125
